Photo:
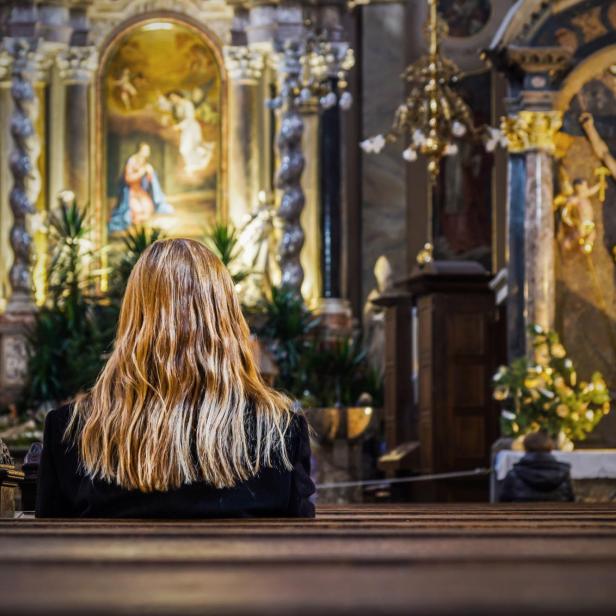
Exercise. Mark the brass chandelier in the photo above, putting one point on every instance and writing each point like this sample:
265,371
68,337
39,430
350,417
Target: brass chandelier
433,115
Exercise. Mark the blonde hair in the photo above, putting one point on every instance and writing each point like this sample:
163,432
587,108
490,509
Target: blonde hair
180,391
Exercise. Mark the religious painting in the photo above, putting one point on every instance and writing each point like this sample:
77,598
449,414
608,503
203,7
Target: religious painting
585,208
161,93
462,197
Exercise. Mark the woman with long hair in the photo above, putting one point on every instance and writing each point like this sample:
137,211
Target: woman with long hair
179,422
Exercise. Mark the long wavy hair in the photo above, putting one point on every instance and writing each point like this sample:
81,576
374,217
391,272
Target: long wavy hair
170,406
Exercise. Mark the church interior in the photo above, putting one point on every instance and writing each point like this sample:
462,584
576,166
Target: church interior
416,200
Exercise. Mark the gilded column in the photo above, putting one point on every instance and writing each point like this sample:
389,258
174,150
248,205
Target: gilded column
76,69
530,136
310,218
245,68
6,110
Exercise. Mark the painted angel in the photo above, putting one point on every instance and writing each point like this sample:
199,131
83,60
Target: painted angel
126,88
195,152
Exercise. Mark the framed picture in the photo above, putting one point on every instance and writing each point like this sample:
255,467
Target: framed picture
161,130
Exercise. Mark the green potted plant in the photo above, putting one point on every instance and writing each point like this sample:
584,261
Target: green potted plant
543,392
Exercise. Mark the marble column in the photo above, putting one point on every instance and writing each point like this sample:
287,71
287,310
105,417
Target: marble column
530,136
29,69
245,112
290,169
76,69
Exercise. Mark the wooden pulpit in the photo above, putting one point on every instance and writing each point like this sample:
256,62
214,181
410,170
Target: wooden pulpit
442,344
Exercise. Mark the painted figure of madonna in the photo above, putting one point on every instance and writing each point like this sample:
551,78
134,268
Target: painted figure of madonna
140,195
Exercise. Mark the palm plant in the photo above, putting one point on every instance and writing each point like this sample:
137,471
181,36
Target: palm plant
285,328
68,338
134,243
337,372
223,240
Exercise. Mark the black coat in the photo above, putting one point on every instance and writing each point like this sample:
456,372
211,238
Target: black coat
538,476
65,491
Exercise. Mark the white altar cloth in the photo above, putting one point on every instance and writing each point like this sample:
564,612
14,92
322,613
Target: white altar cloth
585,463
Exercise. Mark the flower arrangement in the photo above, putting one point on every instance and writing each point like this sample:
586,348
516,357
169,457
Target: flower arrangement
543,393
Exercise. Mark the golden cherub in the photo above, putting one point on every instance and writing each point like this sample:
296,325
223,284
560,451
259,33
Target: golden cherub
577,215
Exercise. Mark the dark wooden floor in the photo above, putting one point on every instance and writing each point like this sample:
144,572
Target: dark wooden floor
419,559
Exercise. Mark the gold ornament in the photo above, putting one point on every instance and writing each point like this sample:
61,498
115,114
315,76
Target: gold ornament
602,173
425,255
531,130
433,116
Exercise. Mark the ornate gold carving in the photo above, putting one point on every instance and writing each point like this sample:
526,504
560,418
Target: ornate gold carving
611,14
539,59
425,255
531,130
590,24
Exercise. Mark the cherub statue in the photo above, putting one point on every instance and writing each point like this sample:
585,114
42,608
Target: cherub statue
578,229
374,317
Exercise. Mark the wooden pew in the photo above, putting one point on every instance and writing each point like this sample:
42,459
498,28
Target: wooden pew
370,559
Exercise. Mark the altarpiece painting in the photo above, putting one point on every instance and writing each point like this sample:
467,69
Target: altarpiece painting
161,130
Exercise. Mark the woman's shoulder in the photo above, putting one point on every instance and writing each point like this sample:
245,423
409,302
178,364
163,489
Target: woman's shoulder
57,420
298,423
298,433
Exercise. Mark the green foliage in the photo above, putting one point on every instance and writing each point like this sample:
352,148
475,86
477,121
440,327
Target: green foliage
320,372
543,393
134,244
286,327
71,332
67,274
337,372
223,240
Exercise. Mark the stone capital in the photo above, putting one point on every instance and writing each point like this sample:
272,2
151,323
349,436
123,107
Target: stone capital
531,130
244,64
77,64
28,60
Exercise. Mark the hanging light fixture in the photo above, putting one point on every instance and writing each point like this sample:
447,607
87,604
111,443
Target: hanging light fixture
433,116
324,69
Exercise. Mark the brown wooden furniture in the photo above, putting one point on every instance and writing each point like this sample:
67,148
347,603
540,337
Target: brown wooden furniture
360,560
450,364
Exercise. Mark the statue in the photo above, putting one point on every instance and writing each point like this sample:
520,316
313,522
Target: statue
578,228
257,255
374,316
5,455
602,152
